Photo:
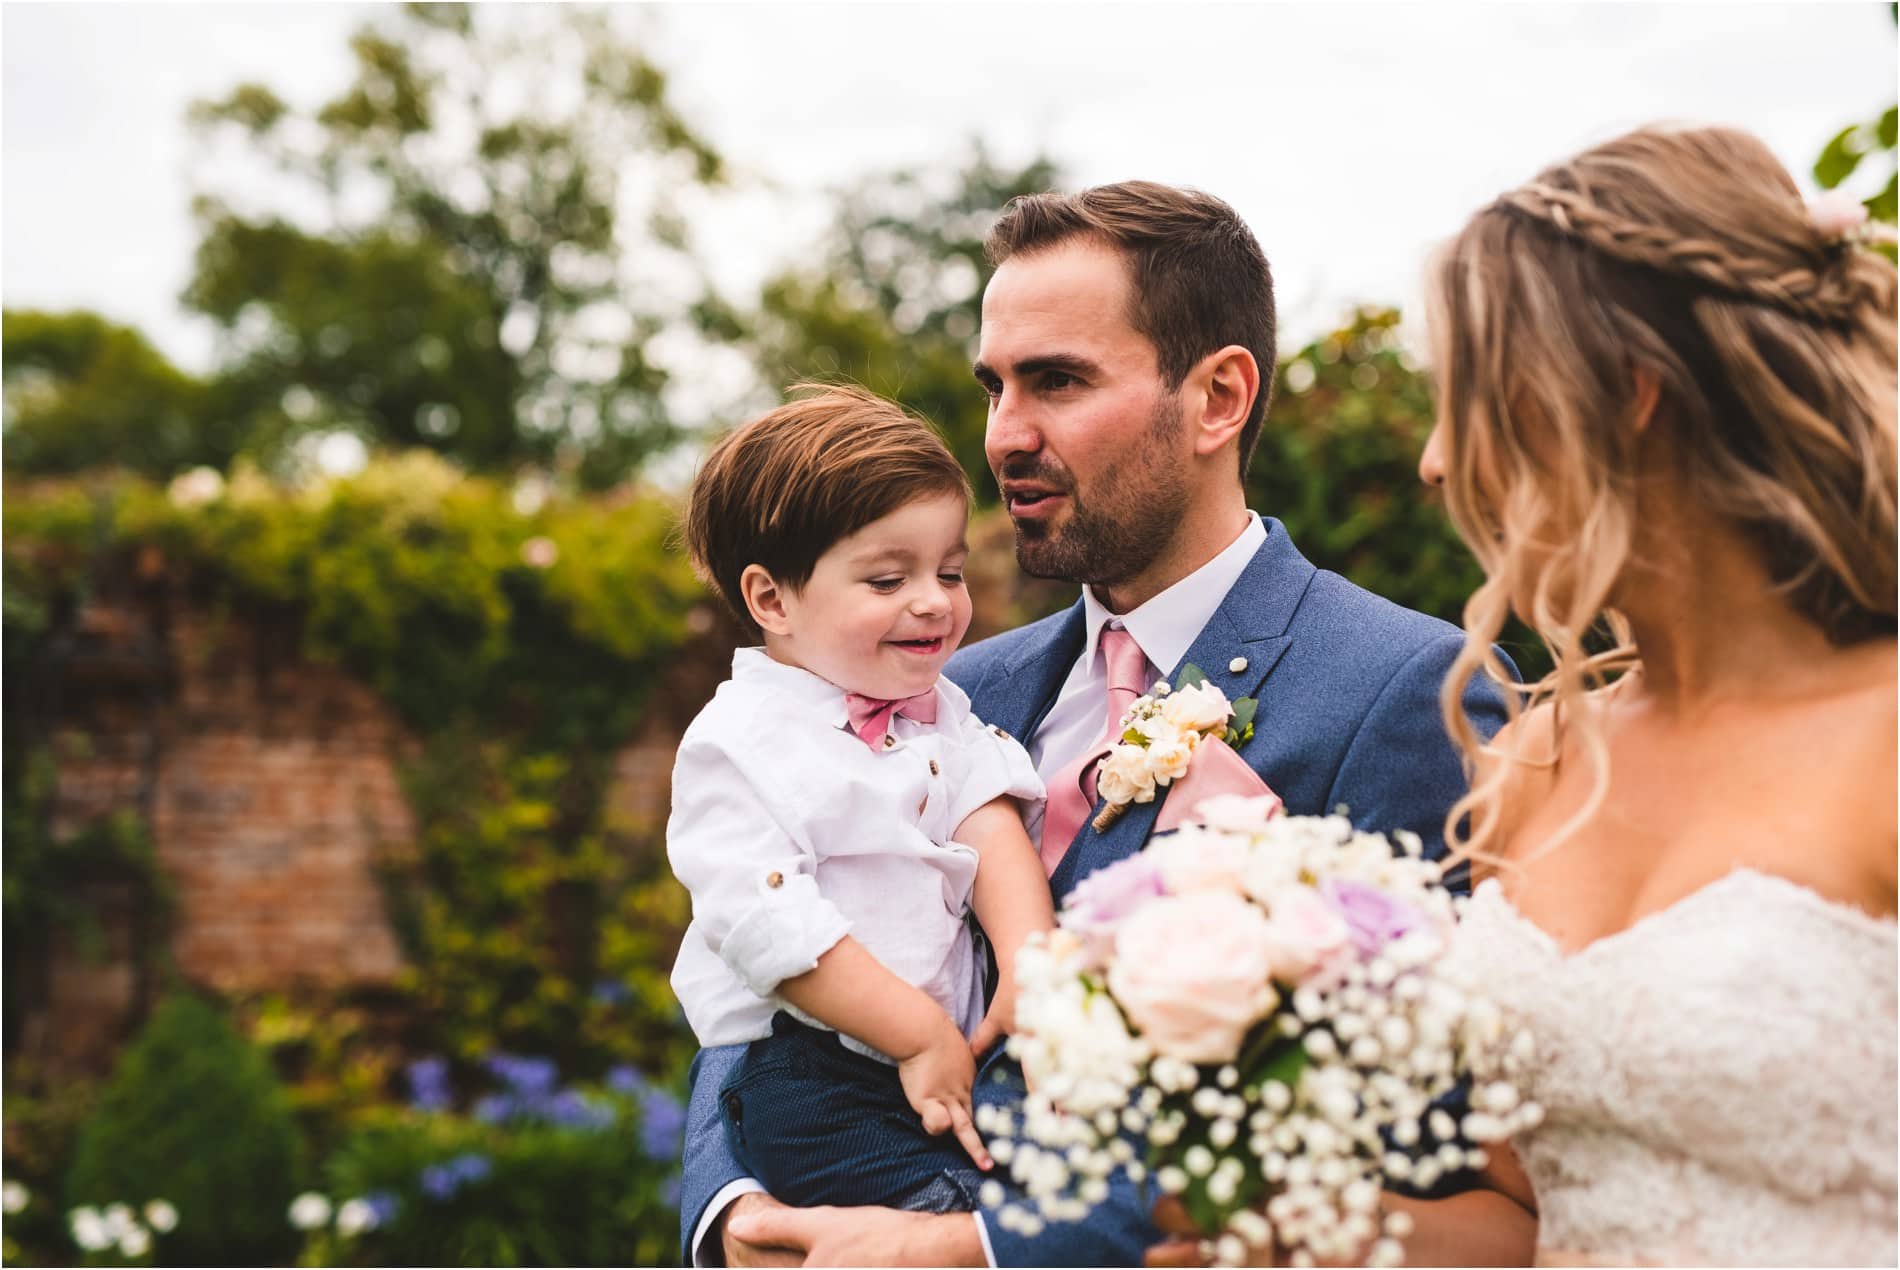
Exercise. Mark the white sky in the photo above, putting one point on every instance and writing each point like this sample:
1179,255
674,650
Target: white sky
1350,136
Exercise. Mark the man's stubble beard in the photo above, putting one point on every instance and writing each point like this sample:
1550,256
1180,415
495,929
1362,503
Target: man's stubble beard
1128,519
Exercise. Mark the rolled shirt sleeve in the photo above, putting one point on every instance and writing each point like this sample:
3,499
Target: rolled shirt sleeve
755,897
992,764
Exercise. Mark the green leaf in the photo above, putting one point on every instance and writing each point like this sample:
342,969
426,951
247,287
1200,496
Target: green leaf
1839,159
1243,714
1135,736
1882,205
1885,131
1190,676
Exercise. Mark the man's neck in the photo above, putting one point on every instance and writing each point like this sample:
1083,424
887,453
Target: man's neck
1194,544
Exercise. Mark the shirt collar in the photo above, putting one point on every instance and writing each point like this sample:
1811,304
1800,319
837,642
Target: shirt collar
1167,625
815,692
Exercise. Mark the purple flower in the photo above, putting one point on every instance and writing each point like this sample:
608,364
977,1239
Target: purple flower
1375,918
612,992
1105,897
526,1076
439,1182
494,1108
384,1204
429,1084
626,1079
662,1126
470,1167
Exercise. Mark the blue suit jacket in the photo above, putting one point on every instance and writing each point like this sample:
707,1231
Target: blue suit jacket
1348,689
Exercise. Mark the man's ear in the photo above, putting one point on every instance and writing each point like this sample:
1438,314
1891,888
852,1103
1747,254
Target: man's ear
1226,383
765,600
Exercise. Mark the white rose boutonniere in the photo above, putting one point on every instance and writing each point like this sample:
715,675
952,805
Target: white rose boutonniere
1160,733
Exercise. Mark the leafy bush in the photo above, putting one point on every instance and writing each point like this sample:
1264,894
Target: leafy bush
536,1173
194,1116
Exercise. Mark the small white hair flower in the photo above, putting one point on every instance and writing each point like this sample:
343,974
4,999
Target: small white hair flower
309,1211
161,1216
1836,213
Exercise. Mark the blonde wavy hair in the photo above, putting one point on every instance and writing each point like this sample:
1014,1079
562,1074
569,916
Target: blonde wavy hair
1686,253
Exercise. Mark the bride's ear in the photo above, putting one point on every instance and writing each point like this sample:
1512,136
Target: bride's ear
1645,397
765,600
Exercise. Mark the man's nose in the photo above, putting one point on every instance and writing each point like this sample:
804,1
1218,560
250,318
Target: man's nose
1011,429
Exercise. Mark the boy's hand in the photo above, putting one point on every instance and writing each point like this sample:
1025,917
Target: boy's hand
998,1021
937,1082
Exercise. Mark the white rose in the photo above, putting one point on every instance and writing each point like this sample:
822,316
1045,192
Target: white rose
1197,709
1124,776
1168,758
1270,866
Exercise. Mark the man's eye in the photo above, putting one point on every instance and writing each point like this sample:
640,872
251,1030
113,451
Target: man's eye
1059,379
886,585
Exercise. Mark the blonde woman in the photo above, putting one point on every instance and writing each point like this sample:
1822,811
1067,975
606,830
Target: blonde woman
1667,415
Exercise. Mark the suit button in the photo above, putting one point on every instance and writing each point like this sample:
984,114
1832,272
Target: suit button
934,769
733,1108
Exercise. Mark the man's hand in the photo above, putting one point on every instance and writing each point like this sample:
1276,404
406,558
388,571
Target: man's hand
863,1236
937,1080
747,1252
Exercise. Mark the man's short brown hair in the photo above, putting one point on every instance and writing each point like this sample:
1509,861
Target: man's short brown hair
1197,276
779,491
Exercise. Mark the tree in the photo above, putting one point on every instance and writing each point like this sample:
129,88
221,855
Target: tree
459,271
1859,142
895,300
82,391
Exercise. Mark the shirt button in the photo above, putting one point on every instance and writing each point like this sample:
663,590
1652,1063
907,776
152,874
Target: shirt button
733,1107
934,769
889,741
775,879
1000,733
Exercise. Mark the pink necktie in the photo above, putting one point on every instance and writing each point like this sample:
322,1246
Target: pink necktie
1072,789
871,716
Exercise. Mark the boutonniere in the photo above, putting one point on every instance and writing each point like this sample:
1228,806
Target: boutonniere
1160,734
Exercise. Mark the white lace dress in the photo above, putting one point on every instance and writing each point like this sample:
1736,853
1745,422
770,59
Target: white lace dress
1718,1080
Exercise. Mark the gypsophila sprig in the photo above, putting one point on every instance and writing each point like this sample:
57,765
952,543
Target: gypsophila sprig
1252,1014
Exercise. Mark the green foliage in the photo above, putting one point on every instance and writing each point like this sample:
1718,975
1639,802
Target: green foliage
530,924
1337,463
461,1192
1859,143
194,1116
470,285
894,302
82,391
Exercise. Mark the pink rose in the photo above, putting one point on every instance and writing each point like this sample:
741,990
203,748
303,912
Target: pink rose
1192,973
1310,942
1374,918
1192,859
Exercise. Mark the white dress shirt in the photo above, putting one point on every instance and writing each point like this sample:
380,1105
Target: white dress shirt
1165,628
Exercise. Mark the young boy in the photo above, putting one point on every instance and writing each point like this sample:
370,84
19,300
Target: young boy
838,811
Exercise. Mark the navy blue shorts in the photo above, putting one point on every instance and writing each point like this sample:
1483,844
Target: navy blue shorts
817,1123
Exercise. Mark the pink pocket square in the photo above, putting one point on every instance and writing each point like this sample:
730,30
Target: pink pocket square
1216,771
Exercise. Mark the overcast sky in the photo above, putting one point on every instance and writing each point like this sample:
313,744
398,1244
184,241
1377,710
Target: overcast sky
1351,136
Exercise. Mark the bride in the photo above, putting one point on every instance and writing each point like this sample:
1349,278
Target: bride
1667,415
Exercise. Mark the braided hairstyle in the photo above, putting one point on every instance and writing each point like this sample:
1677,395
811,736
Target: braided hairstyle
1687,254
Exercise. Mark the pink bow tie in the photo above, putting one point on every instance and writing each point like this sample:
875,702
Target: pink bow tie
871,716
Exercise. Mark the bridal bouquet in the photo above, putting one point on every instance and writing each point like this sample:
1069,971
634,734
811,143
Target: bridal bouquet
1250,1010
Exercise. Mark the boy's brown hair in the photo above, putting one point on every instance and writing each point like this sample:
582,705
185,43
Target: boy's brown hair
1198,279
779,491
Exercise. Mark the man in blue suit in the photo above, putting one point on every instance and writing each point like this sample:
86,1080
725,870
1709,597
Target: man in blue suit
1125,337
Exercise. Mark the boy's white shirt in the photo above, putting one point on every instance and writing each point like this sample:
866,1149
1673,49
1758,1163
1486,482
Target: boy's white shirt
790,833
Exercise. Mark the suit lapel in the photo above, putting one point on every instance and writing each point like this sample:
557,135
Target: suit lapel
1252,625
1018,690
